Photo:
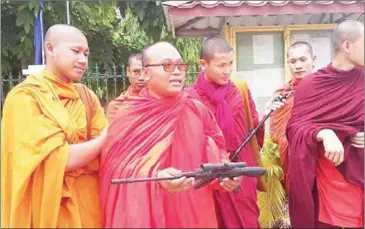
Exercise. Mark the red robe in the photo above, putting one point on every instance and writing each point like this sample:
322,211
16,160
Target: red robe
237,210
116,103
148,135
327,99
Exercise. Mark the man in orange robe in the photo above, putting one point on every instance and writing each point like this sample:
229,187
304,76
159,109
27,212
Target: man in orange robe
153,136
235,112
51,136
137,83
301,63
326,139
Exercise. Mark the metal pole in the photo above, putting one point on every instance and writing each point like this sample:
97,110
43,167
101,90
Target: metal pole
68,12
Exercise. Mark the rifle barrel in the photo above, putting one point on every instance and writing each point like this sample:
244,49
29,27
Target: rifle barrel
148,179
248,138
253,132
136,180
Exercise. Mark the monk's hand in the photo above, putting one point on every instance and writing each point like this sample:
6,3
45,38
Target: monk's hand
273,104
358,140
333,147
175,186
231,184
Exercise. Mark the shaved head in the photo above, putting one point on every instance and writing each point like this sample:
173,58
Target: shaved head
216,59
67,52
214,45
156,49
301,44
348,41
300,59
347,31
58,32
164,70
134,56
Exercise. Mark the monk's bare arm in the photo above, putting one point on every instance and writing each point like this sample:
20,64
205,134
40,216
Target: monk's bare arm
81,154
324,134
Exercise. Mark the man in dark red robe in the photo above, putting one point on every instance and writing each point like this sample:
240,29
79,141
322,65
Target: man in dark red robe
325,136
154,135
236,114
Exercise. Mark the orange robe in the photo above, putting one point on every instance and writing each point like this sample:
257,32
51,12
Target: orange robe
278,121
42,117
149,135
116,103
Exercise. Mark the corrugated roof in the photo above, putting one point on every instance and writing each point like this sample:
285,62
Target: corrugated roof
211,4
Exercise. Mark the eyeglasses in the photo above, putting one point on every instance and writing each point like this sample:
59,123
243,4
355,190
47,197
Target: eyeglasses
183,67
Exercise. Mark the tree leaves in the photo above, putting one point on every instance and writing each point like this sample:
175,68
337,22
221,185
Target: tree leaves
33,4
110,40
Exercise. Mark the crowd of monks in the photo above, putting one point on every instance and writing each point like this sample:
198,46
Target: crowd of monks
60,151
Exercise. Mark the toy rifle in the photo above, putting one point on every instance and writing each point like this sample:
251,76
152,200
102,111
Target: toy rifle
206,172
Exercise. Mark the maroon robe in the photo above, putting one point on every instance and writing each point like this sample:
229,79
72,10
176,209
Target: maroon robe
237,210
327,99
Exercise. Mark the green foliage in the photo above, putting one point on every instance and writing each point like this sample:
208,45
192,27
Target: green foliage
110,40
97,20
132,38
17,39
272,203
149,15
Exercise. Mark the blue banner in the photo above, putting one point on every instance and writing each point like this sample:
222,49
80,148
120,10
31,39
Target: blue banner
39,37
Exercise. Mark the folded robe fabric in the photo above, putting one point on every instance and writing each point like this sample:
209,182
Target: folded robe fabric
42,116
149,135
328,99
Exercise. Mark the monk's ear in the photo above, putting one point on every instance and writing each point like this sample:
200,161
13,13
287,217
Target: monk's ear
346,46
203,64
49,48
128,71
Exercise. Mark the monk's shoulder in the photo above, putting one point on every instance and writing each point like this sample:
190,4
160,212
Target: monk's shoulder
198,107
21,98
241,86
308,81
87,90
239,83
192,92
27,89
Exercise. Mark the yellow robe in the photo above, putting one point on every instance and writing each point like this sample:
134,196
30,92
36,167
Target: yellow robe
41,118
243,88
